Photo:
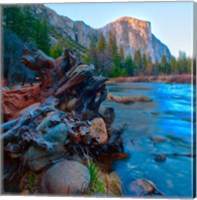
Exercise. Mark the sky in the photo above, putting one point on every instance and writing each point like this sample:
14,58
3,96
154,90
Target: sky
171,22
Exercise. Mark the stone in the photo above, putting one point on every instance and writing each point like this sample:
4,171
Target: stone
160,158
38,159
98,131
157,139
148,186
59,133
64,178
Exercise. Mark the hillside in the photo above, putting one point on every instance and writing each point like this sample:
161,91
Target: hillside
131,34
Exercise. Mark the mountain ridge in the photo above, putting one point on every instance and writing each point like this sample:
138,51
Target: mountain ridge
131,34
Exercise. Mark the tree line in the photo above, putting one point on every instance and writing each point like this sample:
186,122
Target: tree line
110,60
21,28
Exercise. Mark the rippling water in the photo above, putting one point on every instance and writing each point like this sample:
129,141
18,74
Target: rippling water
168,116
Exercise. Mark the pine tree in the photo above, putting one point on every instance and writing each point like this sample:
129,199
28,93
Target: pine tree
101,43
164,66
144,62
173,65
28,25
121,53
138,61
13,19
129,66
149,65
112,44
41,36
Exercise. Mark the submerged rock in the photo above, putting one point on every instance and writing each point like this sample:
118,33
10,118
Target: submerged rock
98,131
157,139
160,158
66,177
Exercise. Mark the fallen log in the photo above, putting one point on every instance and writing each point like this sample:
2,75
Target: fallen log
37,123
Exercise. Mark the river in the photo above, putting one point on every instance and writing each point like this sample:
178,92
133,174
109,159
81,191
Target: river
169,116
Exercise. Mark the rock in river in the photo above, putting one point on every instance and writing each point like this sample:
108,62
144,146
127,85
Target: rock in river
65,177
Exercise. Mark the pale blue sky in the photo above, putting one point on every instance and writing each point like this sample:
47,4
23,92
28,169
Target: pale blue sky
171,22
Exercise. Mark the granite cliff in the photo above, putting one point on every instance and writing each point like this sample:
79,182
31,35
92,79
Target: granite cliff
132,34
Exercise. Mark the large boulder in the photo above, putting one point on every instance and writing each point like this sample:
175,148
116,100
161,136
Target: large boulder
38,159
98,131
65,177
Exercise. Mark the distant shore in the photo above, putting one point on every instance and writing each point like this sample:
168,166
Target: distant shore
180,78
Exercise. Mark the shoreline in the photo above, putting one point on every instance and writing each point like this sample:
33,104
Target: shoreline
180,78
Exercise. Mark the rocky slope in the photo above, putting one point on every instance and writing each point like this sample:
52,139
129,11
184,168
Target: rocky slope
132,34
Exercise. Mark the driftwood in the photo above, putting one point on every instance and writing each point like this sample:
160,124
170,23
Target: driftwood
33,114
53,74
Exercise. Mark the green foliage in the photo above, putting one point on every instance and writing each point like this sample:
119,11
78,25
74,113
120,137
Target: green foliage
97,184
129,66
121,53
112,44
56,50
101,43
21,21
41,35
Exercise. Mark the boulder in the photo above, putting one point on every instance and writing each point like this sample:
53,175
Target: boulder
65,177
38,159
98,131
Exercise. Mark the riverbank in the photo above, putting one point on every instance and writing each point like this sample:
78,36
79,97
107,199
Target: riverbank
180,78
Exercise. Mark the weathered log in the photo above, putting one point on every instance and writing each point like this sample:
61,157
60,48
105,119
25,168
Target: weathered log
51,72
34,112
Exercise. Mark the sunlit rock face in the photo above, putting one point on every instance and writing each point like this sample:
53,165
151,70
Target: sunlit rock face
131,34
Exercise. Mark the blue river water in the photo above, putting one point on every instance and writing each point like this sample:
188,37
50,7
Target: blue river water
168,116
